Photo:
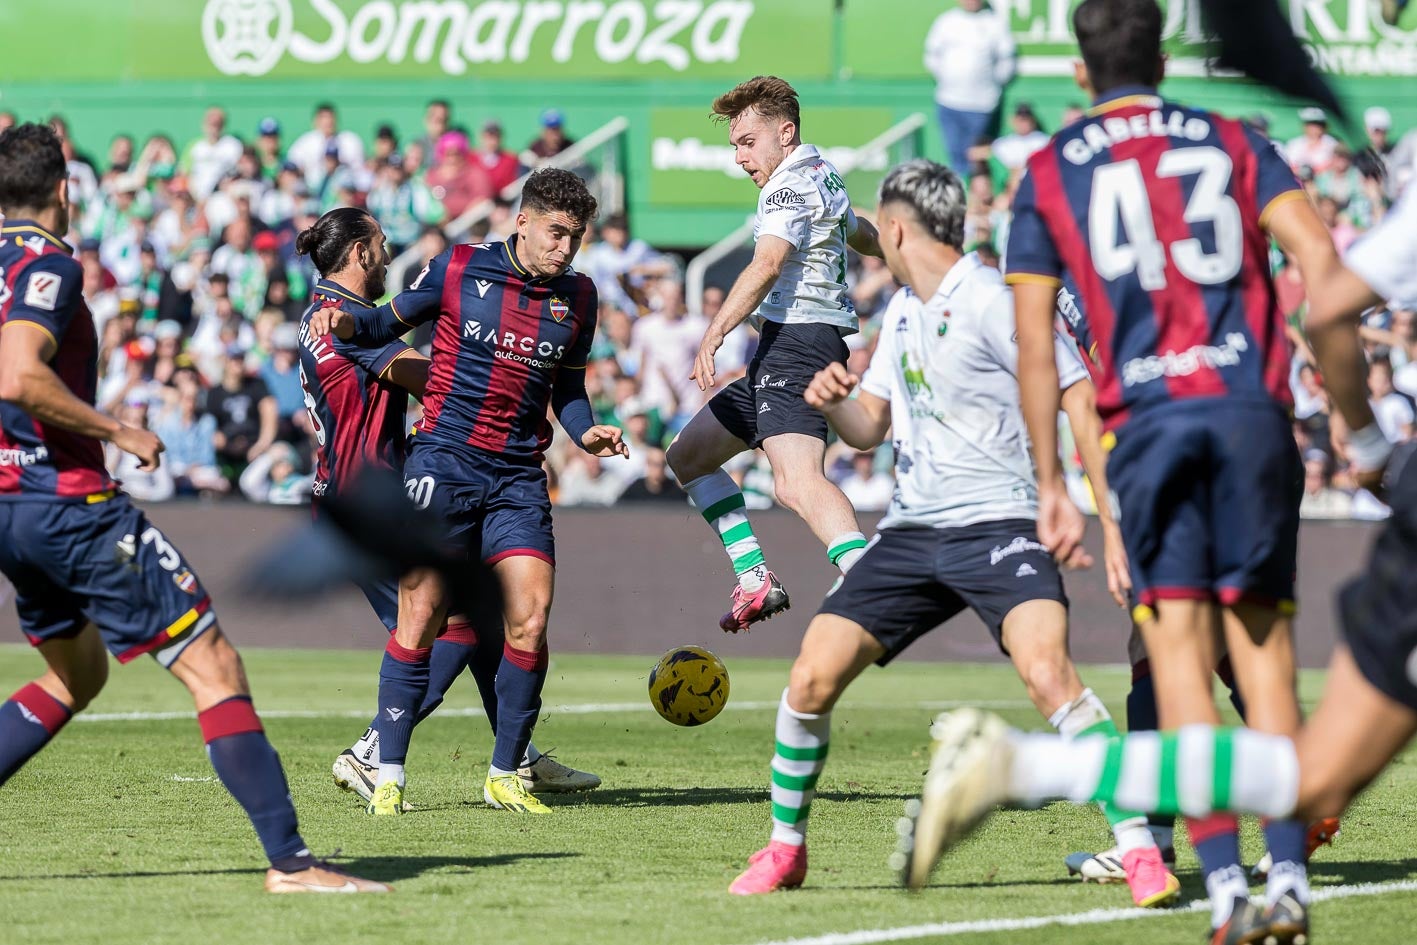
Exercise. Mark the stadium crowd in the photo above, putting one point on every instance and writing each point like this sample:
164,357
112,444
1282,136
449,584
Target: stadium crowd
187,249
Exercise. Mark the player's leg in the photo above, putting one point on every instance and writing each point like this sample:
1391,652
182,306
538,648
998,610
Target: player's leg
34,714
801,485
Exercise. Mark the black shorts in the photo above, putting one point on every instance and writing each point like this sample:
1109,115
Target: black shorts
768,399
911,580
1378,609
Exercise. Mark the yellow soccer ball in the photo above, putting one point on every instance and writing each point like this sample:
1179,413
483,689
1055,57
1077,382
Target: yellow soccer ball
688,686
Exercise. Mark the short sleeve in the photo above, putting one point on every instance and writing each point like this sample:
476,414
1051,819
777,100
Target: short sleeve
1071,370
879,376
47,293
1386,256
788,208
1031,255
1274,178
375,359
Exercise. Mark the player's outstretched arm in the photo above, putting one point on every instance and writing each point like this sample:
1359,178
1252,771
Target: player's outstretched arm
28,382
410,371
747,294
862,421
865,239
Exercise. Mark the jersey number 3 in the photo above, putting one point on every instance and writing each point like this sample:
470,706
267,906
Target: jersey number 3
1122,225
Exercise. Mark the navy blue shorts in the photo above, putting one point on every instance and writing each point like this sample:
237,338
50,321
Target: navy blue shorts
768,399
484,623
911,580
1209,493
492,507
74,563
1378,609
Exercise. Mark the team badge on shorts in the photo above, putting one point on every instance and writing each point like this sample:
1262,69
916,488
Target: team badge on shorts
559,308
186,582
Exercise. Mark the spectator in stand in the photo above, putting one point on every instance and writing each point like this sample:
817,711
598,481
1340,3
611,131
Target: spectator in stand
176,226
1357,194
403,206
151,277
970,52
1289,290
281,375
871,288
1344,233
431,242
501,165
83,182
618,264
237,260
655,485
551,142
585,481
1392,410
308,151
664,344
456,182
207,159
1377,121
246,414
386,145
436,122
278,203
154,486
167,348
1014,149
268,148
1321,500
100,288
276,267
7,121
158,159
868,489
189,434
1314,148
274,478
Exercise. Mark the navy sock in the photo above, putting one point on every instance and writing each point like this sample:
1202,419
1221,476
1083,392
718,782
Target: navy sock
1227,676
451,653
28,720
1287,841
1141,717
520,677
403,685
250,769
1217,841
486,660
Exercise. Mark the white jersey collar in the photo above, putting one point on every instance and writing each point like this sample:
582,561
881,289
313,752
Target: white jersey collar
967,265
801,155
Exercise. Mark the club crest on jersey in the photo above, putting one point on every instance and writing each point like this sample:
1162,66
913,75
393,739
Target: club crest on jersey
186,581
559,308
944,325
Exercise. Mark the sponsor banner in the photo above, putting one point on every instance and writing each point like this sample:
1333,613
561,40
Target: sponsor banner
885,38
103,40
691,161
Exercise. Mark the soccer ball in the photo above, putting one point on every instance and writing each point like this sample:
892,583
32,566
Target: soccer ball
688,686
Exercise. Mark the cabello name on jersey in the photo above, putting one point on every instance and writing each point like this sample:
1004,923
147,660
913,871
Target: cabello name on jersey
41,290
1157,212
506,346
357,418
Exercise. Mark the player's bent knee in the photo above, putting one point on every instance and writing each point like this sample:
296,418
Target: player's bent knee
812,688
211,669
1050,680
529,632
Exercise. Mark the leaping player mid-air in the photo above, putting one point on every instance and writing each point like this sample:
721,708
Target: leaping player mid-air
89,570
356,397
514,325
795,291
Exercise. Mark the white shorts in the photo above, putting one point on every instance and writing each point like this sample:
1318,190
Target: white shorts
1386,257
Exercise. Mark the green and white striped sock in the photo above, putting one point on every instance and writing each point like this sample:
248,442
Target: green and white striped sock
720,502
1195,771
845,549
1086,715
796,764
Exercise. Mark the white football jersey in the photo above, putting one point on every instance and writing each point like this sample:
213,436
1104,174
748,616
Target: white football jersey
1386,256
804,202
949,367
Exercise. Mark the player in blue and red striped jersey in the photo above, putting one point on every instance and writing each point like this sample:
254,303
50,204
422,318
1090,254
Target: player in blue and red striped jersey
1162,215
88,568
513,331
357,399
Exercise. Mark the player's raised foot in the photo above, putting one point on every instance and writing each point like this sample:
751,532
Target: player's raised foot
1107,867
546,775
387,800
321,877
507,792
968,775
1246,925
1152,884
776,866
1321,833
1287,922
352,774
1392,10
750,607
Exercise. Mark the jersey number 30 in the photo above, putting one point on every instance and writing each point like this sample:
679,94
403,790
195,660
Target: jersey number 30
1123,229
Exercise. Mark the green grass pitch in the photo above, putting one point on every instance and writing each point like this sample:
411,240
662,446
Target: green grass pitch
118,834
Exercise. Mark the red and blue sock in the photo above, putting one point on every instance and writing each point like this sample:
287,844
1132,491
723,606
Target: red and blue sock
520,677
403,685
486,661
250,769
28,720
451,653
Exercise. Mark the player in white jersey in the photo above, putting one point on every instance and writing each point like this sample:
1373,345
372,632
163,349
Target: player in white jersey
795,291
960,533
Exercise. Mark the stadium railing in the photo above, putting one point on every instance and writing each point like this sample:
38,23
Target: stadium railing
598,157
905,134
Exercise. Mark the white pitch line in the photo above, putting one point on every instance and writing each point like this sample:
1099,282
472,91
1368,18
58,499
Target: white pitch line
586,708
1091,917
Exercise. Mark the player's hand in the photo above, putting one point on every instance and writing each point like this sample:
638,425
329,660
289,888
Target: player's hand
1061,526
144,444
1119,569
830,386
605,440
703,361
332,320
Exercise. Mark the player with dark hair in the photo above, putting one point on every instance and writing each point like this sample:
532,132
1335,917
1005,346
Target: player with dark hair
513,329
1162,216
795,291
88,568
356,399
